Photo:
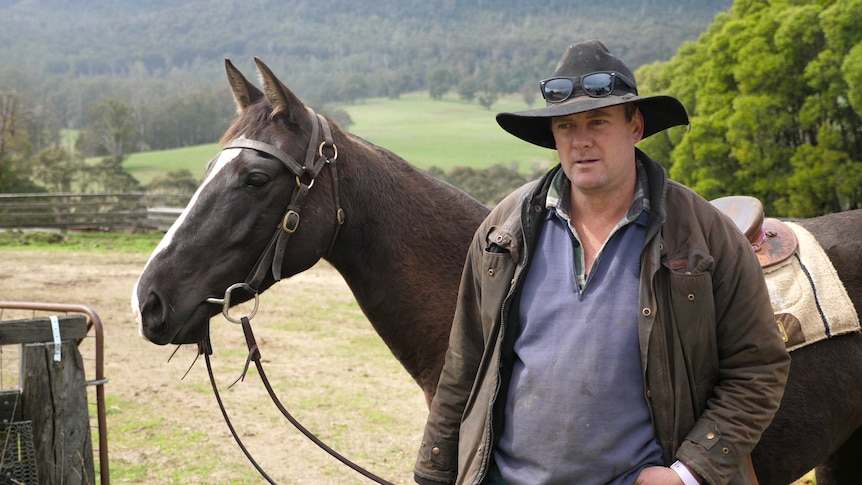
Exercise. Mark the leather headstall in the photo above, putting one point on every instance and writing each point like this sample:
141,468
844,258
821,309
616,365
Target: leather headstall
305,173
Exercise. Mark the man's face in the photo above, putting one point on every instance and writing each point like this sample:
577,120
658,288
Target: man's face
596,148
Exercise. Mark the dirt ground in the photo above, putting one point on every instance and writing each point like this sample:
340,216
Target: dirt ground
331,370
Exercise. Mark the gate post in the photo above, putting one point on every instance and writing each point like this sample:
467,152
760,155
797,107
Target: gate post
54,398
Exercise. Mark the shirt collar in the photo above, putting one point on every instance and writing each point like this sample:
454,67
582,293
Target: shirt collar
560,190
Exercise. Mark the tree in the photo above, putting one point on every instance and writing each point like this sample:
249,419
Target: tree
488,185
110,128
354,87
439,82
338,115
529,92
770,90
57,169
109,176
468,87
192,119
180,182
15,145
488,98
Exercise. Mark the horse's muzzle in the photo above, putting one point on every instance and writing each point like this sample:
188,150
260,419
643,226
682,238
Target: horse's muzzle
161,325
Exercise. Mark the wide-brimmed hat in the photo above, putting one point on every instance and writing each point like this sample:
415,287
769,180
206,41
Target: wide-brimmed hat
659,112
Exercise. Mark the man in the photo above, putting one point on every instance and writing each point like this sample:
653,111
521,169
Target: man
611,325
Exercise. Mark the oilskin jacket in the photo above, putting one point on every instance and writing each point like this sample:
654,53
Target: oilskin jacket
714,365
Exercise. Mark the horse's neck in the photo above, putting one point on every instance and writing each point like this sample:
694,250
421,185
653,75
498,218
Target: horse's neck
401,251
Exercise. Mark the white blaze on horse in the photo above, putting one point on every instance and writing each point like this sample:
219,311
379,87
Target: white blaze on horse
399,237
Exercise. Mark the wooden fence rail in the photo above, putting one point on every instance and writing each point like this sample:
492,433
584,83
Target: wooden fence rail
103,212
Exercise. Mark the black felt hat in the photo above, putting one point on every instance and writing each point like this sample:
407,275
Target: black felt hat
534,126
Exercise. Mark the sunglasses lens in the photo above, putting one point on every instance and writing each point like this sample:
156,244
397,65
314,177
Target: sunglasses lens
556,90
598,85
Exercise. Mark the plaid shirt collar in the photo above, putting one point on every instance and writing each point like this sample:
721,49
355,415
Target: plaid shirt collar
560,190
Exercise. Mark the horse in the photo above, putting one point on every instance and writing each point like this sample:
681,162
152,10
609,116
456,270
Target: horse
399,238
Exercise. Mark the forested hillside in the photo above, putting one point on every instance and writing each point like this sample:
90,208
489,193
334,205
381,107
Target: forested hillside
326,50
122,76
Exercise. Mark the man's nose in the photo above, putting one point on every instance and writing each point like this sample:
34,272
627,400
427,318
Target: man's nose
581,139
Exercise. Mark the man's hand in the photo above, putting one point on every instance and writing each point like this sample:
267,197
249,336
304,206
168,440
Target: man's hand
658,475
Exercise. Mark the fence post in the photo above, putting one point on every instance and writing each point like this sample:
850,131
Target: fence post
54,398
65,209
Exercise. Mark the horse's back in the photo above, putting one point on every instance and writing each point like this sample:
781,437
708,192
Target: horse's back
840,235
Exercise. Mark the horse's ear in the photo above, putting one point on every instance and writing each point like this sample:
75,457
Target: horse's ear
244,92
283,101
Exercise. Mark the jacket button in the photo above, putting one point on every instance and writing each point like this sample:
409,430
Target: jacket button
646,311
435,451
710,436
490,271
499,238
649,393
691,297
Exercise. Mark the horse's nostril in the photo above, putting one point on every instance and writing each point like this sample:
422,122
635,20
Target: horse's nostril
152,313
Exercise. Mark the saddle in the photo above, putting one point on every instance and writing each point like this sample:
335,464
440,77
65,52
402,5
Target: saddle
773,241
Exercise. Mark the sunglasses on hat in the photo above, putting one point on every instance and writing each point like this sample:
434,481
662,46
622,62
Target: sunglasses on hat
594,85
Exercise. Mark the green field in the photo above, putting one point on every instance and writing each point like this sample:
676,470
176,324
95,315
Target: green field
445,133
144,166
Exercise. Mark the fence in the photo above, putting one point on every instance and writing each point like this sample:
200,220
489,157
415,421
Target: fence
94,212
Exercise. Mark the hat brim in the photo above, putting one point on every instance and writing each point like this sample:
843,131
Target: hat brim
534,126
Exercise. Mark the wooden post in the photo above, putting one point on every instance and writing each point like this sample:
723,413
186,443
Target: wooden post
54,398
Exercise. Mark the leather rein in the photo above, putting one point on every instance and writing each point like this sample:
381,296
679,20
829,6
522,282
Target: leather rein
271,261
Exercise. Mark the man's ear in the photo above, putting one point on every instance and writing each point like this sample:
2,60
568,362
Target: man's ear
638,125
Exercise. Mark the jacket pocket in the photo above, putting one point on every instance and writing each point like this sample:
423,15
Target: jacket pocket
498,267
694,323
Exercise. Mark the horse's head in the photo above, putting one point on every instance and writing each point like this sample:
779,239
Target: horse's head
274,172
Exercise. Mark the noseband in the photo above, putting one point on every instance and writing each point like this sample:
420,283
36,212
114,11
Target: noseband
306,173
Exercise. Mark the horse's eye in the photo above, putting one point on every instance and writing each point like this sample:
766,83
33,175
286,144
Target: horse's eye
257,180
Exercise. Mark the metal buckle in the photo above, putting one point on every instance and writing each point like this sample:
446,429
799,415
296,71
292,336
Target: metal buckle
290,222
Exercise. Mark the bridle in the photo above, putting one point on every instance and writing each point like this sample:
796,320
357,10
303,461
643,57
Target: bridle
270,261
306,173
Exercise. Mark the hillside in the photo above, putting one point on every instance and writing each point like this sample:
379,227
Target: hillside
133,76
320,44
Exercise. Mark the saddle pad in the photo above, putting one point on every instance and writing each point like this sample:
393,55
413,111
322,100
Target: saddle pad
809,301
